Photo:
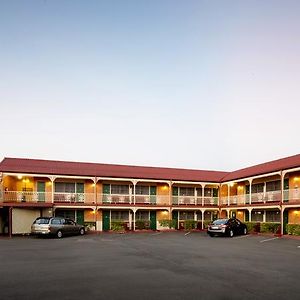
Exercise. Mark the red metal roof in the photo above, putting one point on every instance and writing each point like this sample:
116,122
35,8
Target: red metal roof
51,167
36,166
268,167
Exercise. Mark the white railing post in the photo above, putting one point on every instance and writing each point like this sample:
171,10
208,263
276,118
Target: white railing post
203,186
228,195
250,191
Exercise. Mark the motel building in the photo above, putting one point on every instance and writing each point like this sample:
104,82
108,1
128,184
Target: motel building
141,198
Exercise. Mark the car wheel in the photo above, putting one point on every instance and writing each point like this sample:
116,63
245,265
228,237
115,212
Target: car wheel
59,234
231,233
81,231
245,231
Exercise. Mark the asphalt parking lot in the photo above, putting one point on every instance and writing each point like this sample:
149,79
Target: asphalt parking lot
150,266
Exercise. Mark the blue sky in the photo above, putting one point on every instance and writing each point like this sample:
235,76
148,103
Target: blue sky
192,84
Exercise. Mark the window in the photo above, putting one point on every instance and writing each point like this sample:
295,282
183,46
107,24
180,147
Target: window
199,192
273,186
207,192
186,191
142,215
272,216
69,222
64,187
186,215
65,213
142,190
257,188
120,189
257,216
56,221
119,215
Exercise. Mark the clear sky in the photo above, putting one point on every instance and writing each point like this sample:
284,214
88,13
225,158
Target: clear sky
192,84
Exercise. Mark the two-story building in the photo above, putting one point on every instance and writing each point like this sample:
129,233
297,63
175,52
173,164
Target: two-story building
98,195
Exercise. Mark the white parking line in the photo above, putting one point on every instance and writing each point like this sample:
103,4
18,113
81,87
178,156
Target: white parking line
275,238
298,246
157,233
241,237
187,233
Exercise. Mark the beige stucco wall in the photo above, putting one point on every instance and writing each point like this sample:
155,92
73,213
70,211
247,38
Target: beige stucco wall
22,219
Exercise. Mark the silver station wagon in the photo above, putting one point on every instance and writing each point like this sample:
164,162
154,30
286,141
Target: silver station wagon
56,226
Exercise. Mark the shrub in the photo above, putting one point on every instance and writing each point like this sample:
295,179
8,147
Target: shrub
117,226
190,224
252,226
142,224
269,227
206,223
293,229
168,223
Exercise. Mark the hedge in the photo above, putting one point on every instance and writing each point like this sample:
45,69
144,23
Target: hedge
117,226
270,227
293,229
142,224
190,224
263,227
168,223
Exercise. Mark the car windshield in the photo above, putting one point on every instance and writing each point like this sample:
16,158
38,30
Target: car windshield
220,222
42,221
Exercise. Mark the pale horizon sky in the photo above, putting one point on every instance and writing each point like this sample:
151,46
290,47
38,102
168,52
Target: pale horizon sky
211,85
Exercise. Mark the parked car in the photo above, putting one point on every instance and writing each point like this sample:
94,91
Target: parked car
229,227
56,226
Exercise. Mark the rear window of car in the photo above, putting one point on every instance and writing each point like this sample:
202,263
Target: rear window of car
42,221
220,222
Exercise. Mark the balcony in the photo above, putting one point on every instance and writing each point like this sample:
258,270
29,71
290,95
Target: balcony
25,197
268,197
74,198
129,199
291,196
192,200
114,199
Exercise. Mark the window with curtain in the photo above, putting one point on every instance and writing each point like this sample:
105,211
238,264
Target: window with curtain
120,189
186,191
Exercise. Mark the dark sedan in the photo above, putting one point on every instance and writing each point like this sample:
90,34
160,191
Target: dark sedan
229,227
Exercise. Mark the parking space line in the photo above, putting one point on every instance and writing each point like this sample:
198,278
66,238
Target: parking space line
187,233
157,233
267,240
241,237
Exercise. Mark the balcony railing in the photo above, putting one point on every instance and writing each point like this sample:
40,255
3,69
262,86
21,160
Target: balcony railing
291,195
74,198
114,199
192,200
130,199
31,197
273,196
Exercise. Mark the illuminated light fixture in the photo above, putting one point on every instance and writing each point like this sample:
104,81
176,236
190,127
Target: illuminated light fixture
296,178
93,212
165,187
232,183
93,184
20,176
165,212
239,212
296,212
